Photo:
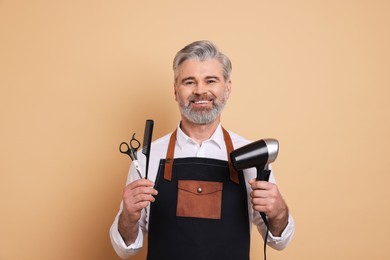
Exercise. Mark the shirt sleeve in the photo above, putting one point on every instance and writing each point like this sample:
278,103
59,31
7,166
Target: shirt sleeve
281,242
117,241
119,244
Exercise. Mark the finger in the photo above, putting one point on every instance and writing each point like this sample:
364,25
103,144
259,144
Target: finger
263,201
263,205
139,194
135,209
264,185
261,194
143,190
261,208
252,181
137,203
143,197
136,187
139,183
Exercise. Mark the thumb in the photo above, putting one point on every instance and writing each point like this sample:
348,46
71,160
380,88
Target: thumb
252,181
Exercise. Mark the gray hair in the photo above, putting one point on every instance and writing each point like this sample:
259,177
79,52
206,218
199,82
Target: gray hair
201,51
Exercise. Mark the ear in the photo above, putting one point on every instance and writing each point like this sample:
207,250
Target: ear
228,89
175,91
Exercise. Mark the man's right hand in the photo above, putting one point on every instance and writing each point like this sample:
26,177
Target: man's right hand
136,196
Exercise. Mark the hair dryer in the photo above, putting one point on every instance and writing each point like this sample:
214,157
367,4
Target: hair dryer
258,154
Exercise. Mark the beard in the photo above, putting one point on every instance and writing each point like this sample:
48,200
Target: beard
206,115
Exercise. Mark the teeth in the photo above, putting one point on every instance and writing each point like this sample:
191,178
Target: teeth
201,102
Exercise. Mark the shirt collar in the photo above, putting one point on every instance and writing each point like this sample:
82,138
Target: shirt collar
217,137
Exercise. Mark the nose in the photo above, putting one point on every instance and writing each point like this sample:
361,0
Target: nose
200,88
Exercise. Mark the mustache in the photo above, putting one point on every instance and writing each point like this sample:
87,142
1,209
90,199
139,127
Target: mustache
197,97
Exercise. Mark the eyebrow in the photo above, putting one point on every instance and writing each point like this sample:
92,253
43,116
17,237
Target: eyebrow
213,77
193,78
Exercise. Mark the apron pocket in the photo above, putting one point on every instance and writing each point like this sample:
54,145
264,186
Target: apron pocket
199,199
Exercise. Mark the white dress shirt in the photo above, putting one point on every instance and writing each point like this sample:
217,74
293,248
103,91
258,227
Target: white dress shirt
186,147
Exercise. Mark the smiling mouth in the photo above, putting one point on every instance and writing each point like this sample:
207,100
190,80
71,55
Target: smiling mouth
201,102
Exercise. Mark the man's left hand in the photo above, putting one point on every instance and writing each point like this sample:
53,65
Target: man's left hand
267,198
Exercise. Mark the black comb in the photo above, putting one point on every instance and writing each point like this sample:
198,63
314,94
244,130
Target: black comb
147,142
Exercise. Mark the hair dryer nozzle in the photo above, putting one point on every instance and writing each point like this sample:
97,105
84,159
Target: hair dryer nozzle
273,149
257,154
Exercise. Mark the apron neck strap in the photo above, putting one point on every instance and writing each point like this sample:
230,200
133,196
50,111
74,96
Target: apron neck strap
169,157
171,152
229,149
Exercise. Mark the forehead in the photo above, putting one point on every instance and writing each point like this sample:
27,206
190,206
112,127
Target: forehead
199,69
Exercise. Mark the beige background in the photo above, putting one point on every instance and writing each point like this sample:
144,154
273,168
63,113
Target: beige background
79,77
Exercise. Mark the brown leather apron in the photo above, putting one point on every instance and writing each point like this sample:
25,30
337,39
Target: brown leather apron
201,210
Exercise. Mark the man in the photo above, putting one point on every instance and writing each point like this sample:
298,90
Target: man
193,206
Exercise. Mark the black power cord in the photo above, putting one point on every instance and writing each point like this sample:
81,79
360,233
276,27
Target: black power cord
263,175
266,236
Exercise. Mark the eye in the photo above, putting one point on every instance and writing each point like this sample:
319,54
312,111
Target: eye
212,80
188,82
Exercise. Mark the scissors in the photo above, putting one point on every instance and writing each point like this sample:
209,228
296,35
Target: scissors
131,150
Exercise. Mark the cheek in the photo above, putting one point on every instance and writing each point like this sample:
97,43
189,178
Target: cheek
180,98
222,94
182,94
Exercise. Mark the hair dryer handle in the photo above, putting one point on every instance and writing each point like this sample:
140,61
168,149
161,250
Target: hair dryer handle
263,174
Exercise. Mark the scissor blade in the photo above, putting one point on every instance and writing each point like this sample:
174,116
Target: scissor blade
137,168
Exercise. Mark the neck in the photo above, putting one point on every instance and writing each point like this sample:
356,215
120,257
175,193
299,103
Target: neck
199,132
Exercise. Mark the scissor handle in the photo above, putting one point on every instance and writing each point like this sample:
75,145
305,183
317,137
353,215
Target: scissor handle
127,150
137,143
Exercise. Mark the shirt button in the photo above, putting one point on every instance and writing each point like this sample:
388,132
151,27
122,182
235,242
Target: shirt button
199,190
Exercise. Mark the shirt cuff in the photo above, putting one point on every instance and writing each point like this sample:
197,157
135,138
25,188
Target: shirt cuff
280,242
120,247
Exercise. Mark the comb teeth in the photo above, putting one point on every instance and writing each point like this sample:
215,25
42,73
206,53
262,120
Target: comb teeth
147,136
147,142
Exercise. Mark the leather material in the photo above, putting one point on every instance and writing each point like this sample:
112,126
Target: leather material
199,199
171,152
169,157
230,148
